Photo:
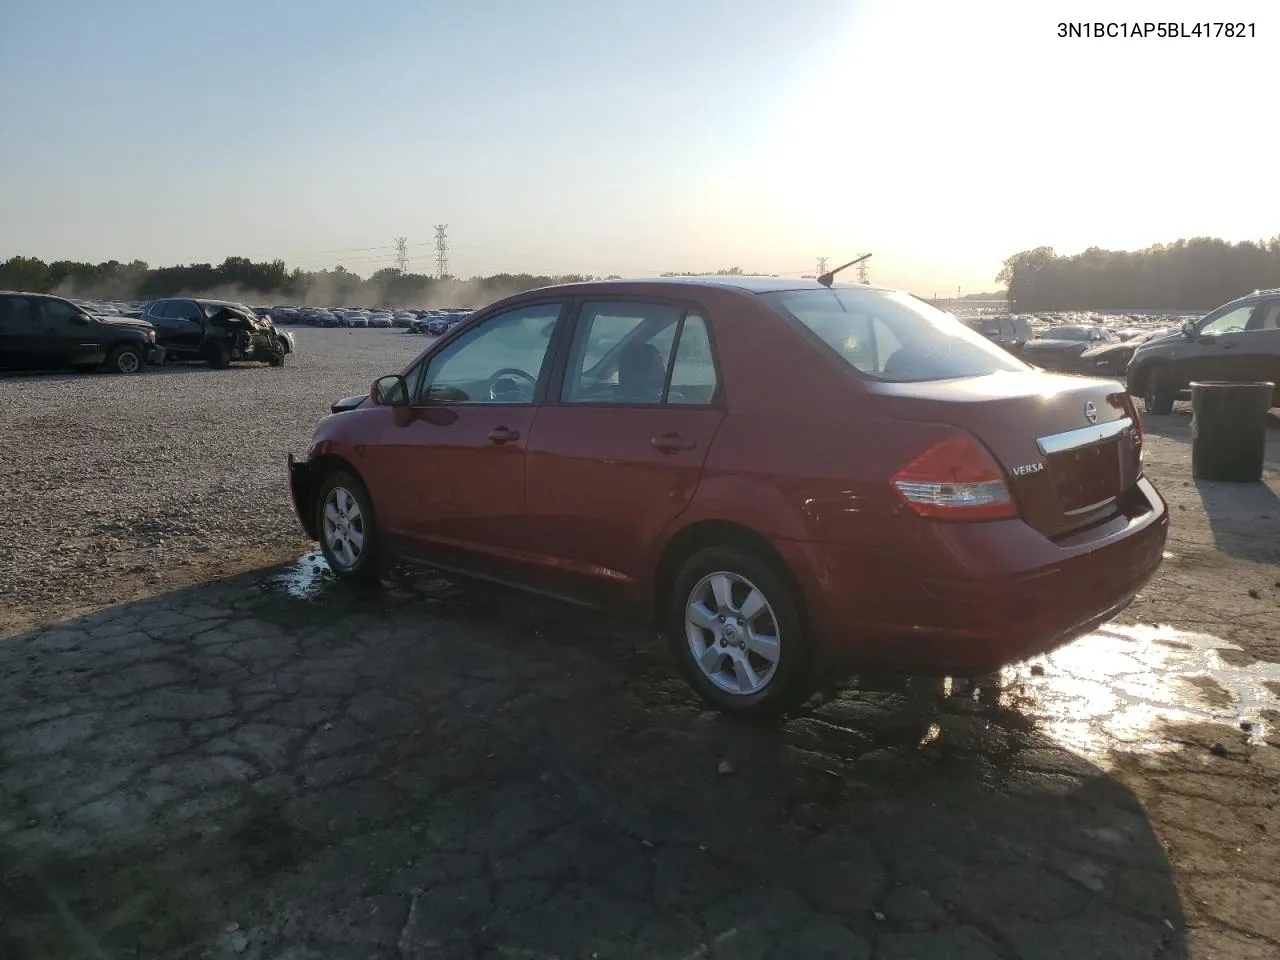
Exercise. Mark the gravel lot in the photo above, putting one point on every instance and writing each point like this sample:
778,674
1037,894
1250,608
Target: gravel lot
137,483
276,766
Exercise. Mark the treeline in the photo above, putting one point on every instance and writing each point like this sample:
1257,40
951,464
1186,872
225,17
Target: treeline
238,278
1191,274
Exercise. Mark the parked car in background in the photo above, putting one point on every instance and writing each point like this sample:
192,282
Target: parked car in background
1112,359
791,480
42,332
381,320
1010,332
402,318
1059,348
218,332
1239,341
357,319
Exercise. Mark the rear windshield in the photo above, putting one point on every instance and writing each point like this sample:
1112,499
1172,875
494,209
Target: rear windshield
894,336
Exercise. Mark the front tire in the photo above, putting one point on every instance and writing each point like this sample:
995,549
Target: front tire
345,523
124,359
1158,394
737,634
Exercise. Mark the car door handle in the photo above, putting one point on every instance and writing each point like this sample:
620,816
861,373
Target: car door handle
671,443
502,435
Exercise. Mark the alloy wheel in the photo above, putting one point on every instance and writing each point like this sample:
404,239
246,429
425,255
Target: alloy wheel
344,529
732,633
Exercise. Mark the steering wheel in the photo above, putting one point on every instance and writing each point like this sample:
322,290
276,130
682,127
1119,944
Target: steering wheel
507,373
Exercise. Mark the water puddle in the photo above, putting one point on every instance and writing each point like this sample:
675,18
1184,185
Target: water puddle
304,579
1113,688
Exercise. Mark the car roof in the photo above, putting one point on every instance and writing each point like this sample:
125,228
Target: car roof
747,284
28,293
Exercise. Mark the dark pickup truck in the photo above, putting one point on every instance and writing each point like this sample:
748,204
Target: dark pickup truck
217,332
42,332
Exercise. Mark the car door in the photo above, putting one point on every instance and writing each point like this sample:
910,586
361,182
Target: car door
1216,353
163,315
449,482
71,337
21,347
618,453
1257,357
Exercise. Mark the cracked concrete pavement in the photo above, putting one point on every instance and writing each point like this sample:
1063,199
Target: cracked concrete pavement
278,766
452,771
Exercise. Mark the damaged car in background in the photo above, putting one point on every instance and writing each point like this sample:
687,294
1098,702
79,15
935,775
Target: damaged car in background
217,332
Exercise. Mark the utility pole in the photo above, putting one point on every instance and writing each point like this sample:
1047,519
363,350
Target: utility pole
402,255
442,251
822,266
863,277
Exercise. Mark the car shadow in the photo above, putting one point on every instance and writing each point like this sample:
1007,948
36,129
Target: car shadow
454,770
1233,509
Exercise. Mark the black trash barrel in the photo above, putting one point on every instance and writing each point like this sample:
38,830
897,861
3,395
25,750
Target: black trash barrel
1229,430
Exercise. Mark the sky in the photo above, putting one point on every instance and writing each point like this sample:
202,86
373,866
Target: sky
632,138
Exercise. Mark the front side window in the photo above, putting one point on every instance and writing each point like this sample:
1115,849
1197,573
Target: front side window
893,336
499,361
55,311
1233,321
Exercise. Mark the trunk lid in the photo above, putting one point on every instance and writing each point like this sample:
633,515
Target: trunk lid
1067,444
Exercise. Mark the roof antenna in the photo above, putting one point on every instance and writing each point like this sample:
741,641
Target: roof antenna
829,277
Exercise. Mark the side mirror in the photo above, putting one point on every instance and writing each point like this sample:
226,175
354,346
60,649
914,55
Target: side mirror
391,391
80,319
1189,330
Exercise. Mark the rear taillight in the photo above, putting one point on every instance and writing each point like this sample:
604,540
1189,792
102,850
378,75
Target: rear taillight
956,479
1131,411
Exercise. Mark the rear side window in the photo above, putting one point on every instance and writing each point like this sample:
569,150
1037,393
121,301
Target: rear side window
693,375
893,336
621,353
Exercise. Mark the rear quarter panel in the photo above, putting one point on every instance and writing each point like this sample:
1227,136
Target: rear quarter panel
805,453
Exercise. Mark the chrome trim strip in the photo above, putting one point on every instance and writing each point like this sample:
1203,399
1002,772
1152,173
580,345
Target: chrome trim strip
1090,508
1084,437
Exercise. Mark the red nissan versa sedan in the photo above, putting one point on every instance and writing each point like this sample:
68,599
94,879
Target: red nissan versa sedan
786,477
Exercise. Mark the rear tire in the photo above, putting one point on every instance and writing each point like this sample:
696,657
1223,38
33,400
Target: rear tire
735,629
1158,395
347,529
124,359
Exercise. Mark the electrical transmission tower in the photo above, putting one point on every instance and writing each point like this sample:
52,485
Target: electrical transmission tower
442,251
402,255
862,272
822,266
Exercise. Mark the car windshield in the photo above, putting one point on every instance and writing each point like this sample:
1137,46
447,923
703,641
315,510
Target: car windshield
894,336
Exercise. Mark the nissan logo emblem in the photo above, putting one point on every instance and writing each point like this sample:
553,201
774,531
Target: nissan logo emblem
1091,412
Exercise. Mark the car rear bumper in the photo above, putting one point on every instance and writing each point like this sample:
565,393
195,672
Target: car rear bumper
300,476
976,597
